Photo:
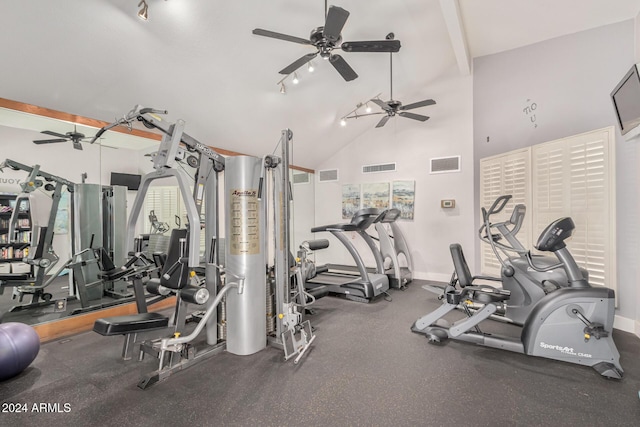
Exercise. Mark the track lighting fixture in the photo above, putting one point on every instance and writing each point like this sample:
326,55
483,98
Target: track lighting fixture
143,13
294,80
357,113
310,67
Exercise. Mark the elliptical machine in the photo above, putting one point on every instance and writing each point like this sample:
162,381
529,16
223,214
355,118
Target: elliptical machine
526,285
572,324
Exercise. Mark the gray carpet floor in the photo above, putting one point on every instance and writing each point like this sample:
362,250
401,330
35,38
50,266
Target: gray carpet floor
366,368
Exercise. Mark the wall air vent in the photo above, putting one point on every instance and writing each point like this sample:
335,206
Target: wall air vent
328,175
301,178
384,167
445,164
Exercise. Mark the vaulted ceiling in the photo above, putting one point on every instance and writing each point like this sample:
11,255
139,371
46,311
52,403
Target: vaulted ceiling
199,59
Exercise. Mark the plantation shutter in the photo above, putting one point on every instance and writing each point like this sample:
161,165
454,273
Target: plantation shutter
501,175
575,177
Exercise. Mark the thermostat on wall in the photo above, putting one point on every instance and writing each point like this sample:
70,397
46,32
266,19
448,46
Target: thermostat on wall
447,204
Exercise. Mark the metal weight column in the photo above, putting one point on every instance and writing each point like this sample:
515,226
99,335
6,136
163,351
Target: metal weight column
212,257
245,257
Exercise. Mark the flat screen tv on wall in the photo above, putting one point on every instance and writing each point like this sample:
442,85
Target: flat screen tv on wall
131,181
626,103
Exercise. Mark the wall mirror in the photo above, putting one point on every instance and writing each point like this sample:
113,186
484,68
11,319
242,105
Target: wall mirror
92,216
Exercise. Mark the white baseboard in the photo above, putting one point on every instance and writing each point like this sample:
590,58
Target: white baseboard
637,331
626,324
432,276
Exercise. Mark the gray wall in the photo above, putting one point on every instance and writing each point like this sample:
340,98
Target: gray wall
569,79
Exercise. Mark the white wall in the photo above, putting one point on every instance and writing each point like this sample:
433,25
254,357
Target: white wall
570,79
410,144
62,160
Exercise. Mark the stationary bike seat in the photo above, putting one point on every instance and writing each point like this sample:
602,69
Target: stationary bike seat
488,294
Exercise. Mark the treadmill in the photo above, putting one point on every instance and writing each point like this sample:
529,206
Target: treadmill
367,285
392,245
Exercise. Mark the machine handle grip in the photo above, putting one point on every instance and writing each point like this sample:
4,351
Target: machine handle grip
131,261
153,111
499,204
170,271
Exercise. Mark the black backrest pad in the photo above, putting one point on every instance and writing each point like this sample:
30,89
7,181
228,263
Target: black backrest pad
105,260
39,244
179,276
460,265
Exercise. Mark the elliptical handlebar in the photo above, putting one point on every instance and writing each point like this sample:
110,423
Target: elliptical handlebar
485,232
498,205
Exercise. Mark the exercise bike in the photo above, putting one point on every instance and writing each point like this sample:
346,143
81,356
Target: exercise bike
572,324
525,284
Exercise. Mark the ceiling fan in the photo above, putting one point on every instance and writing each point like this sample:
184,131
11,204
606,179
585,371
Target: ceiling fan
392,107
74,136
327,38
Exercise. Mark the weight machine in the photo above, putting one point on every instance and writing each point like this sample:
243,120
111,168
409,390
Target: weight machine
243,312
41,256
93,270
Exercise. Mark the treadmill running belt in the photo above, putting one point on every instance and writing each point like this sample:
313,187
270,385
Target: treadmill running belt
332,279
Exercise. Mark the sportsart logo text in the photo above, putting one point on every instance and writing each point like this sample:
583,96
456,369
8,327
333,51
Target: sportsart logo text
564,350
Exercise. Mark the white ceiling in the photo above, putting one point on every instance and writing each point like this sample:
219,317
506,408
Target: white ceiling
199,60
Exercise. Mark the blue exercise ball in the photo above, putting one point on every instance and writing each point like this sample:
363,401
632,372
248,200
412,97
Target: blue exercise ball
19,346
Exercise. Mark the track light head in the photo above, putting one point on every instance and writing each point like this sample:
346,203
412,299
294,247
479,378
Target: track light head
343,122
295,80
283,89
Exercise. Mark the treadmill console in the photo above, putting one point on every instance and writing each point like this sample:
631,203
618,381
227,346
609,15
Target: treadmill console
388,215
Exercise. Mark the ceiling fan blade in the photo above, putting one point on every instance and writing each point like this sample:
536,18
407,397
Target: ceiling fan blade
383,121
418,104
48,132
49,141
413,116
77,145
336,18
298,63
280,36
381,104
371,46
343,68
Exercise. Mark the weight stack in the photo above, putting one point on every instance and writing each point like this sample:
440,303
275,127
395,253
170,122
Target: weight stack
244,255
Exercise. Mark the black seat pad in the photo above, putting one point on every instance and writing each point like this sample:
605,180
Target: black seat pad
15,276
120,325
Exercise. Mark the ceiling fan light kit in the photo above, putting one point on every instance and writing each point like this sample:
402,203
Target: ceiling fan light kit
389,108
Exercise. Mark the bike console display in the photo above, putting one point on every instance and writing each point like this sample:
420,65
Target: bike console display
553,237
